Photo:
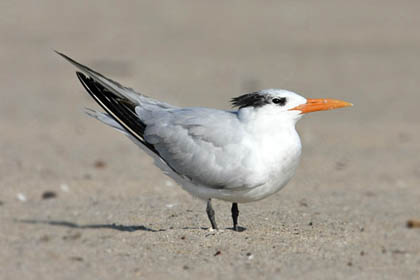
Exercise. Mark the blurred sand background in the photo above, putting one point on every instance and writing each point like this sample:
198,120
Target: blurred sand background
114,215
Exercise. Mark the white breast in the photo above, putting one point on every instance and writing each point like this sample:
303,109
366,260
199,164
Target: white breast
279,154
273,152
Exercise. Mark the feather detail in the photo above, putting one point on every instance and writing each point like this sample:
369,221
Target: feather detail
253,99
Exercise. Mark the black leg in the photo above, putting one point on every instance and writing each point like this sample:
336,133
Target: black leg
210,214
235,214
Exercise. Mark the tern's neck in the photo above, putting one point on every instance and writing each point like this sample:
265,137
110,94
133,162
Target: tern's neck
275,141
267,121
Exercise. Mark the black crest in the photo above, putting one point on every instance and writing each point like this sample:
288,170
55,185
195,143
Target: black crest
253,99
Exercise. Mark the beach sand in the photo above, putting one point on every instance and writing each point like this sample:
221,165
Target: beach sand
79,201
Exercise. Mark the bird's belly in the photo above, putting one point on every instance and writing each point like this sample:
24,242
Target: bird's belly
276,168
242,195
276,176
265,170
273,185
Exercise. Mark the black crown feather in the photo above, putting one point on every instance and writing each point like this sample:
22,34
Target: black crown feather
253,99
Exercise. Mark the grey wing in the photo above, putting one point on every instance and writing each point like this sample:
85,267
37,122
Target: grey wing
204,145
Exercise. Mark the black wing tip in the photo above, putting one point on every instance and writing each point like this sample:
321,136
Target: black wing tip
84,80
80,75
119,108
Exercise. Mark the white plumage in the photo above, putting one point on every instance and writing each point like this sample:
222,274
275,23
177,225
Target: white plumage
237,156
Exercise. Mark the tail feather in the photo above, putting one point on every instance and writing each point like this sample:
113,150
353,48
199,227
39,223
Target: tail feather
105,118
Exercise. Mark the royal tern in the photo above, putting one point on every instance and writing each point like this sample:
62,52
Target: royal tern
236,156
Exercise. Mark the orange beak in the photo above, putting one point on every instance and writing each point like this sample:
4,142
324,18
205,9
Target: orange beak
322,104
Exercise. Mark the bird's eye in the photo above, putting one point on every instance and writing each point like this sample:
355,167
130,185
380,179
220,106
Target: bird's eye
279,101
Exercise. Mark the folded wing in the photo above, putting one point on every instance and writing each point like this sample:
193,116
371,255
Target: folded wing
202,145
207,145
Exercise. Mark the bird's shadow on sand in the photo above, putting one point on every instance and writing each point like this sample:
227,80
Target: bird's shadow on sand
107,226
91,226
240,229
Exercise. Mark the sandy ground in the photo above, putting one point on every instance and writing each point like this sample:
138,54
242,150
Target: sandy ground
114,215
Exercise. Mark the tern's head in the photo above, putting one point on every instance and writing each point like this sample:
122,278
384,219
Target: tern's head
284,103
